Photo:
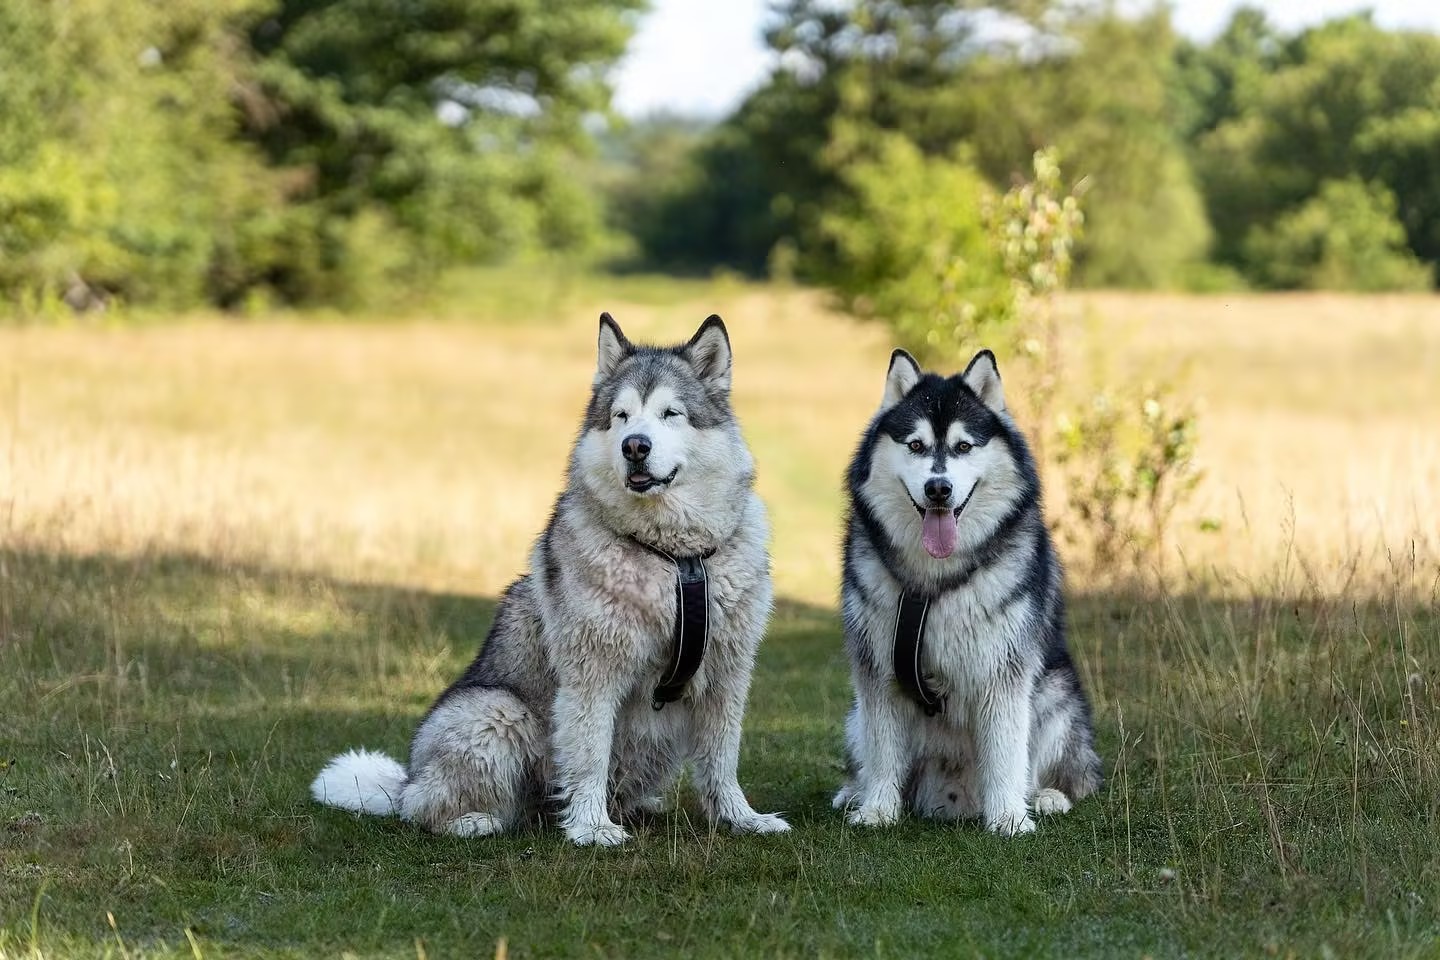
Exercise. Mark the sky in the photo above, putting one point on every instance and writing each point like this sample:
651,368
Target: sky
700,57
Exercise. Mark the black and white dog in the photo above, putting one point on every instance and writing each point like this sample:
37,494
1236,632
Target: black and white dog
966,701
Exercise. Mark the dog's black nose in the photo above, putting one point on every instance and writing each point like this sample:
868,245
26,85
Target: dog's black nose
636,447
938,490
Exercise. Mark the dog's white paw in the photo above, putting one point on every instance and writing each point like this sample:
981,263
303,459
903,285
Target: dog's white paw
475,825
1011,824
760,823
874,815
602,834
1050,801
843,797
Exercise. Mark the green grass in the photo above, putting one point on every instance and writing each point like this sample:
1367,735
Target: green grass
1274,788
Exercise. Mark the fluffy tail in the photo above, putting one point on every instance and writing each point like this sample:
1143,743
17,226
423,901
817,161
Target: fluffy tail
361,780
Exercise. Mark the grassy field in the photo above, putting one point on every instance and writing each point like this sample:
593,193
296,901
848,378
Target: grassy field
228,550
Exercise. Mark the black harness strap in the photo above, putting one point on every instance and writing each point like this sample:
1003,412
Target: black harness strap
909,648
692,624
910,638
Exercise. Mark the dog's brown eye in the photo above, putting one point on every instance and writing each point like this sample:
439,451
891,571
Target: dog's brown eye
916,446
621,415
962,447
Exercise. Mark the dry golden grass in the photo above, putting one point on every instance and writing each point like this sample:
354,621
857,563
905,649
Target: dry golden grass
1320,432
428,452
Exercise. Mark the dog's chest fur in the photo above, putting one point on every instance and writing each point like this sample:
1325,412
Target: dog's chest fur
973,632
612,602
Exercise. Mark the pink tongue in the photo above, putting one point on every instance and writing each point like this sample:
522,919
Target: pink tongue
937,532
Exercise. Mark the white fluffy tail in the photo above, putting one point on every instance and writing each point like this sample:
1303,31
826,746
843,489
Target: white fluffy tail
361,780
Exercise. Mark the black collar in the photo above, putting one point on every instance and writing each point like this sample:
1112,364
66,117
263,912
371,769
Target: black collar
692,623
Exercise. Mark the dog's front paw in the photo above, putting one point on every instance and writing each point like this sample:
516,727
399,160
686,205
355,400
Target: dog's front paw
1049,801
874,815
602,834
474,825
1011,824
760,823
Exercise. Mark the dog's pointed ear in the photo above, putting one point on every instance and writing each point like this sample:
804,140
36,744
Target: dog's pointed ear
709,353
900,379
983,377
613,347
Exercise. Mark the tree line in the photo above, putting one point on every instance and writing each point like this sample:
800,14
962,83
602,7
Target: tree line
1259,158
248,152
304,151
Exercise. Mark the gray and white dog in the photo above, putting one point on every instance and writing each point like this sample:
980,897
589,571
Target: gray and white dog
558,705
966,701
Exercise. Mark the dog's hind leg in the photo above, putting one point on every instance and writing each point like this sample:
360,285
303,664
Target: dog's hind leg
648,797
471,762
1064,764
475,825
1049,801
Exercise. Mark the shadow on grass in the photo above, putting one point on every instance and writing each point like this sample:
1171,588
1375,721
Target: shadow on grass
1272,768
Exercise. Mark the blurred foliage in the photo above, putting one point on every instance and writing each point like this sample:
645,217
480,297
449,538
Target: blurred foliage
996,81
1346,237
242,152
912,248
460,119
1194,152
1344,101
120,172
253,152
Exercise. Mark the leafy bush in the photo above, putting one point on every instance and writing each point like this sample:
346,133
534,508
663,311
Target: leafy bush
1127,462
1346,237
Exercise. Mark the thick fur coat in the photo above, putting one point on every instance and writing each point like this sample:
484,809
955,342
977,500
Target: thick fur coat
555,712
945,505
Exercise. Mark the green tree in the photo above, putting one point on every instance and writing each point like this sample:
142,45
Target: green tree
1346,237
119,173
1346,100
641,164
305,149
461,120
915,250
1400,151
689,197
758,178
1001,79
1221,80
1107,111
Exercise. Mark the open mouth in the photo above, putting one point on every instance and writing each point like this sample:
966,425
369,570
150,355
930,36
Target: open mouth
938,527
642,481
